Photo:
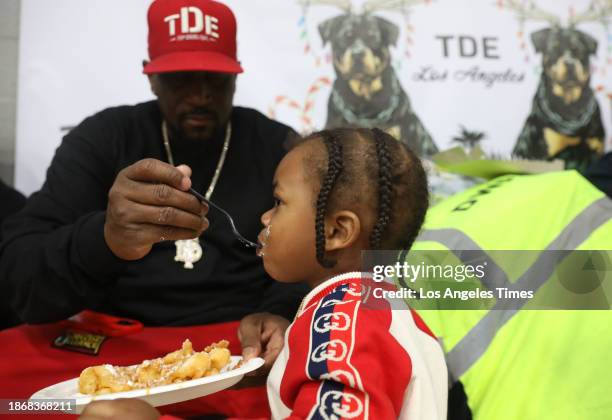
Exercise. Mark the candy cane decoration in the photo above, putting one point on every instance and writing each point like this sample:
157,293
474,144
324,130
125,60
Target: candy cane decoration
304,110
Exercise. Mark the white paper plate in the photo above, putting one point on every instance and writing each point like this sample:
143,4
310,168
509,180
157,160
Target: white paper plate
159,395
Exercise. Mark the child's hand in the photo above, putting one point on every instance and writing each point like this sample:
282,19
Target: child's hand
124,408
262,335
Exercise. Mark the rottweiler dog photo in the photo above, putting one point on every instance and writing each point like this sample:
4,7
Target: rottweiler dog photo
565,119
366,90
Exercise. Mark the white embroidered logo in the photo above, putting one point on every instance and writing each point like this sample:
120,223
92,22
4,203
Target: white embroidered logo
334,350
200,22
337,321
353,288
332,302
342,404
341,376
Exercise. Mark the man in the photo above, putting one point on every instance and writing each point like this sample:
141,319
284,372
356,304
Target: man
103,231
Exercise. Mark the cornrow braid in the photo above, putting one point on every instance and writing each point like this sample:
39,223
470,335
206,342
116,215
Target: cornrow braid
385,189
334,167
372,174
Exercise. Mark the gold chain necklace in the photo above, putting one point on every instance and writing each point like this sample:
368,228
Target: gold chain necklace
189,251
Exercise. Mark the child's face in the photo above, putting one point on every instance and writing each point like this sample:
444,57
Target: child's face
288,237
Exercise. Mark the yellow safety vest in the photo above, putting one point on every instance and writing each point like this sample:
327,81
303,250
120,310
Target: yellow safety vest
527,364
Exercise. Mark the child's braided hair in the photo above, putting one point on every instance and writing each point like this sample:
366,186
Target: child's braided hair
368,167
385,188
334,168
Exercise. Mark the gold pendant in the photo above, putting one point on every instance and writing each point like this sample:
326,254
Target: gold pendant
188,251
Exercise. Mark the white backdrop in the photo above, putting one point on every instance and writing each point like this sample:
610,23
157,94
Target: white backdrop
79,56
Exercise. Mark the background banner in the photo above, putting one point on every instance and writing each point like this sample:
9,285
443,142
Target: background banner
529,78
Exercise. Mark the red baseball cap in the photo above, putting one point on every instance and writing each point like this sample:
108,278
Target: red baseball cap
191,35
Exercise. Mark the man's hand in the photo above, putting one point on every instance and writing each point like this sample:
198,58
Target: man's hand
133,409
262,335
148,203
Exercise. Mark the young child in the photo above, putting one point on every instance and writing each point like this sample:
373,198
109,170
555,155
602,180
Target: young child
338,193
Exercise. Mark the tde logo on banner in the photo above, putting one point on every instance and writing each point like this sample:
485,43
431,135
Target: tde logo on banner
469,46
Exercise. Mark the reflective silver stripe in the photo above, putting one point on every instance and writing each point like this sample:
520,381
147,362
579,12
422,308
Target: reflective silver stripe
451,238
477,340
458,242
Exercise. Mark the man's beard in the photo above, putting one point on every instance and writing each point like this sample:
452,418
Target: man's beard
212,129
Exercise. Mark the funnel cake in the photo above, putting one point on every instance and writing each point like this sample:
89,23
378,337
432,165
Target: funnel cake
180,365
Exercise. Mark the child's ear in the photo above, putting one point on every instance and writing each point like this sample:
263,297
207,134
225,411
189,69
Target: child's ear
342,230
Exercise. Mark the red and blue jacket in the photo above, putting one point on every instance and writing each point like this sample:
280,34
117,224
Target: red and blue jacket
347,358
